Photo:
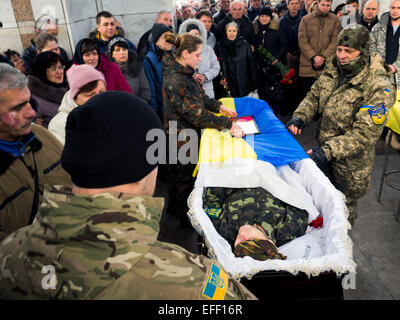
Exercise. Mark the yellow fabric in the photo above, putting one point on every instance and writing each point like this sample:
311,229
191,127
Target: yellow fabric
218,146
394,115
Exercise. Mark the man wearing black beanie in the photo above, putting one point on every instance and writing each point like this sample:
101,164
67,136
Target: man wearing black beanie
98,240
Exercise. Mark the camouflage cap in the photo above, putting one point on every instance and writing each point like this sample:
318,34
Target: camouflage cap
355,36
258,249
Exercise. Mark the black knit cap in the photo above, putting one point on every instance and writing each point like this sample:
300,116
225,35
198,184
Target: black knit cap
105,143
266,11
158,30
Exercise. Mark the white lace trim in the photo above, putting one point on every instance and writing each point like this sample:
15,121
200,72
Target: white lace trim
302,175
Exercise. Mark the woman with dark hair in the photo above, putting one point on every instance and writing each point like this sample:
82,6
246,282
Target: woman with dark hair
236,61
16,59
130,65
87,52
47,85
186,106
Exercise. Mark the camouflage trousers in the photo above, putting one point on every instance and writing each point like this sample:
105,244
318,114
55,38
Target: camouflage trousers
229,209
354,184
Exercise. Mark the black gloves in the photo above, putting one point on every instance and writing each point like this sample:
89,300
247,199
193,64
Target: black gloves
296,122
318,156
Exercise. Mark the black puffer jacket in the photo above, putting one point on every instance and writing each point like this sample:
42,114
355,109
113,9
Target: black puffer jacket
237,65
271,38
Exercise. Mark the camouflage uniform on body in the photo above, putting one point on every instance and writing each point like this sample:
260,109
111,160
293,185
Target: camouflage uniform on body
281,222
103,247
347,132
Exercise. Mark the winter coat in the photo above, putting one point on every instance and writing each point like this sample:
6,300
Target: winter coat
368,24
57,124
252,13
209,65
290,27
48,98
271,37
152,66
219,16
17,183
317,36
237,66
115,80
347,132
134,74
144,44
378,43
185,101
246,29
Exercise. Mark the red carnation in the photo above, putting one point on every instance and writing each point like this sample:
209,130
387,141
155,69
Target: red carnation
317,223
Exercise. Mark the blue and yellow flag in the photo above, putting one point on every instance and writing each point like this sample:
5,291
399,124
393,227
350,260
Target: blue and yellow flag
216,285
274,144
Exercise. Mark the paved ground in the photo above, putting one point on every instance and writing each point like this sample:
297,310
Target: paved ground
375,235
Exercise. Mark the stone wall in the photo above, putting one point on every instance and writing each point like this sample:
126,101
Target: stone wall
76,18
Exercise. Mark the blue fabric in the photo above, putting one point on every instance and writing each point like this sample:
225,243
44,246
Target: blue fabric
275,144
153,69
17,149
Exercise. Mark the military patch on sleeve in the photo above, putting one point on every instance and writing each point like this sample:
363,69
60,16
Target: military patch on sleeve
377,113
213,213
216,285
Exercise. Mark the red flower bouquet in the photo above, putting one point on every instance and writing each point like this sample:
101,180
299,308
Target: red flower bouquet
286,72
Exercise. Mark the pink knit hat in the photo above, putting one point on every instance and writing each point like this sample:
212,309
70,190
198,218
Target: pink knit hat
79,75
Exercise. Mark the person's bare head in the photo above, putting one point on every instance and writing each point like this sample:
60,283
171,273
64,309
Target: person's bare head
236,9
371,9
225,5
164,17
16,113
394,10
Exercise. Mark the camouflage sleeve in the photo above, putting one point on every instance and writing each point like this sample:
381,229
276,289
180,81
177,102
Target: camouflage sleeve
191,109
210,104
169,272
364,132
308,108
374,40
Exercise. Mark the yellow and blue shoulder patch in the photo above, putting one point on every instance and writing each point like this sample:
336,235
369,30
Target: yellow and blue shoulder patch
377,113
213,213
216,285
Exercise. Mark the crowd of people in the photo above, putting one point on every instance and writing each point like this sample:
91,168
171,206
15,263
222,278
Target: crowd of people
56,128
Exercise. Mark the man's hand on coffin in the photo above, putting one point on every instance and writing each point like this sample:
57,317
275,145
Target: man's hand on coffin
295,125
318,156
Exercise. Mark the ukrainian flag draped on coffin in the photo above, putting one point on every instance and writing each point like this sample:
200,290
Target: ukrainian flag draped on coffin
274,144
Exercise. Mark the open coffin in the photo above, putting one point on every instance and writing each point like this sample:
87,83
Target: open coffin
275,161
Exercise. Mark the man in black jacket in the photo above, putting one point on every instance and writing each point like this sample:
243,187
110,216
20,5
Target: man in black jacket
370,14
225,6
246,29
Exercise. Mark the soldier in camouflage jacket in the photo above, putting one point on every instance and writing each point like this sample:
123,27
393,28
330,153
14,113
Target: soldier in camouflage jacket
98,240
351,99
103,247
